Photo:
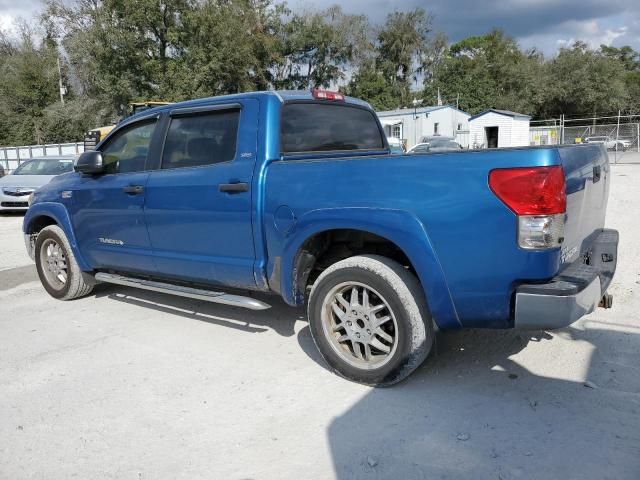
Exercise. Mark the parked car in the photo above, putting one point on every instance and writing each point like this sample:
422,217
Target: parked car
609,142
436,145
296,194
28,177
2,172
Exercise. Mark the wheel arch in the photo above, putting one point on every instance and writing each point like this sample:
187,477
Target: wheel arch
399,228
41,215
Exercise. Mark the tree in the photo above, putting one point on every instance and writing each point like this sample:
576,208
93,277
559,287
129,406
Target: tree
580,80
316,48
371,85
402,41
487,71
630,60
228,47
29,82
386,75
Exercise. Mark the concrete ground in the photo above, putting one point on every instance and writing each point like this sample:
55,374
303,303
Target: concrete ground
128,384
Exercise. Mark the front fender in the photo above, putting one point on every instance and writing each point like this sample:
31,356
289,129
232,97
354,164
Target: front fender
397,226
60,215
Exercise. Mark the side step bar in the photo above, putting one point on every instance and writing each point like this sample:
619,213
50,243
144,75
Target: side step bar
198,294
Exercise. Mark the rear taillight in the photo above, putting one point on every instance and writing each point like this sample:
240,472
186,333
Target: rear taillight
537,196
327,95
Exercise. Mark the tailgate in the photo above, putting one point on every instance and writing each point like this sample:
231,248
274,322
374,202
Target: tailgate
586,169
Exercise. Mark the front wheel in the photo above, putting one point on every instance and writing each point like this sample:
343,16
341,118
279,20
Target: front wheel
57,267
369,320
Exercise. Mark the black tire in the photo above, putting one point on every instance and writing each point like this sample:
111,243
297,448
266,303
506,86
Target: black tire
411,326
74,286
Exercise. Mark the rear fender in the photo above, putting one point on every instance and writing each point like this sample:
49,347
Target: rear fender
59,214
397,226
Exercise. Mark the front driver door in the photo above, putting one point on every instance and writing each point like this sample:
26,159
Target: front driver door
198,206
108,209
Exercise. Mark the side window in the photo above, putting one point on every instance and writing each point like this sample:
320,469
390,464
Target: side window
127,150
201,139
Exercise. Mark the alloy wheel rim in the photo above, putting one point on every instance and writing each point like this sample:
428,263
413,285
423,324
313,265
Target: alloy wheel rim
359,325
54,263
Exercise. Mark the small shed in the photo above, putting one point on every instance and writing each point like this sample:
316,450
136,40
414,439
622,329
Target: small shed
498,129
411,124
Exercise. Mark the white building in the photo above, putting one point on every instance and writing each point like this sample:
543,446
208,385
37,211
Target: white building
411,124
499,128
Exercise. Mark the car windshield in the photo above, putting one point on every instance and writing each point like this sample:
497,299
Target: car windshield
443,146
396,149
44,167
420,148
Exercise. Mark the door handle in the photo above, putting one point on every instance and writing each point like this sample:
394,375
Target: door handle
233,187
133,189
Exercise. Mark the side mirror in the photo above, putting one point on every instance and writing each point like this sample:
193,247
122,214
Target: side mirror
90,163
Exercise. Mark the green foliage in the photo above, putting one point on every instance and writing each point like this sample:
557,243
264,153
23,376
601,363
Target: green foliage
28,84
315,48
112,52
487,71
370,84
580,80
68,122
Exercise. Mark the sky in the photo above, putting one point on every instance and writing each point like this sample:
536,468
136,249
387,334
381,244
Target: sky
545,24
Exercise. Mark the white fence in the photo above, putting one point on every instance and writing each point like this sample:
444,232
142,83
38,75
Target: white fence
11,157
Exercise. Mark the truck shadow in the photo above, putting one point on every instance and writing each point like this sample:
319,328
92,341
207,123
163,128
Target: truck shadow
280,318
474,411
479,407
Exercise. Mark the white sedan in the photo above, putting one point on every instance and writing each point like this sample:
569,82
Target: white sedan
28,177
436,145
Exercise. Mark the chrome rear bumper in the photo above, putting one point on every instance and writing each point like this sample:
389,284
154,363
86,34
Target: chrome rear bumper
573,293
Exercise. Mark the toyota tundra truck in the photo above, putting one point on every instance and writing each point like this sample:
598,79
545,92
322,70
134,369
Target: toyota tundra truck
296,193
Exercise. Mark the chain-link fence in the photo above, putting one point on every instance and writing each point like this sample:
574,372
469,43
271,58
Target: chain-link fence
620,134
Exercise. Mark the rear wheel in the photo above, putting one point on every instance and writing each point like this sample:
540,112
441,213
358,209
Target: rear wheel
57,267
369,320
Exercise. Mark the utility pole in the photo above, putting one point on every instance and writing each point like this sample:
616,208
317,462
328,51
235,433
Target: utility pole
617,136
63,89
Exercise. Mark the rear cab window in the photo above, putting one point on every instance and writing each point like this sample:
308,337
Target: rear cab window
309,127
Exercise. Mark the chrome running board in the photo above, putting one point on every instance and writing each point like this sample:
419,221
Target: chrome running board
196,293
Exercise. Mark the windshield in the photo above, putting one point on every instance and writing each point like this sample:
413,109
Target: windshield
424,148
44,167
443,145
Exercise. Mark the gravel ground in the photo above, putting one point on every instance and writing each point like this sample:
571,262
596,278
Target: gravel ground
127,384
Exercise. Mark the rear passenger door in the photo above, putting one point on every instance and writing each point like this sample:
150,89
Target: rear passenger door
198,199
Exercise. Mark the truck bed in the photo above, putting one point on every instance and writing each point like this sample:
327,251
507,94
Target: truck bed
470,279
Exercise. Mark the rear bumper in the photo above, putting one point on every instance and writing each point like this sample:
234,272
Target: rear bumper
573,293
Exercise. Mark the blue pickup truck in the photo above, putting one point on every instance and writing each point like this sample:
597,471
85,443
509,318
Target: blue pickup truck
295,193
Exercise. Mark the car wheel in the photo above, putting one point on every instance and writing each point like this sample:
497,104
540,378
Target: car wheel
369,320
57,267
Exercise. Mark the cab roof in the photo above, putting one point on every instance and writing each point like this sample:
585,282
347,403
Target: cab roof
282,95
